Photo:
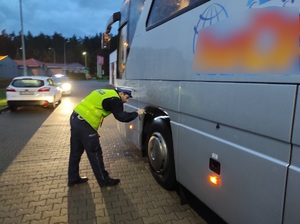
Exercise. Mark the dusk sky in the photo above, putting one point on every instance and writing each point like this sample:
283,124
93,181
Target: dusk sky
66,17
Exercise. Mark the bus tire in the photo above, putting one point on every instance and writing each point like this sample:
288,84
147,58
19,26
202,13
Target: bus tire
161,154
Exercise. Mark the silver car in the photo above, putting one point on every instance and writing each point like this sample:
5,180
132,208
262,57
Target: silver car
63,82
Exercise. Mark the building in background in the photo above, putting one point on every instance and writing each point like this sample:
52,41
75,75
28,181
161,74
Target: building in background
34,67
8,67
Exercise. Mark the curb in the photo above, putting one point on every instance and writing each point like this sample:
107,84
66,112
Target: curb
4,109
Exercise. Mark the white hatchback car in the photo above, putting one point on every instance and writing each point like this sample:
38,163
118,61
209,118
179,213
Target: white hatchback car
33,91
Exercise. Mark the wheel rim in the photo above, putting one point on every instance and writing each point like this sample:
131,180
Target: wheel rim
158,152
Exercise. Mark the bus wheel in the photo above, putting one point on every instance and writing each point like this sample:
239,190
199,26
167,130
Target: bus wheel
161,155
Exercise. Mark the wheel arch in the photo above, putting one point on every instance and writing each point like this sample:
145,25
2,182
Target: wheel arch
157,115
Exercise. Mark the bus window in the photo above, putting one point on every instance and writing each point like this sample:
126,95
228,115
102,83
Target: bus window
136,9
123,51
163,11
131,11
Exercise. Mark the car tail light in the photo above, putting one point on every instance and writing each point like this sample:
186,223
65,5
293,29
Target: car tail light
44,89
10,90
46,104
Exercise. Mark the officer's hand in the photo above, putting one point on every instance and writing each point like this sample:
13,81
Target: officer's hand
141,111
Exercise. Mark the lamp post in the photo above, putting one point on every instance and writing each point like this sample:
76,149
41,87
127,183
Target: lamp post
54,57
65,66
23,42
85,61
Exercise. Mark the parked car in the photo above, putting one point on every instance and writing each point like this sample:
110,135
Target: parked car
63,82
33,91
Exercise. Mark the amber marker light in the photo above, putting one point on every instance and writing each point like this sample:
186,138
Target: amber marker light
131,126
214,180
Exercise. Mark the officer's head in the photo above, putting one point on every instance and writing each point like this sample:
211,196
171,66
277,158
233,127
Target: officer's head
124,93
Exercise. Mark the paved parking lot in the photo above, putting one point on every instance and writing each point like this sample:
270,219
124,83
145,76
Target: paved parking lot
33,189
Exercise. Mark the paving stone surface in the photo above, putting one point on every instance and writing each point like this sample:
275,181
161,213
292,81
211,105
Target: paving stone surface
33,189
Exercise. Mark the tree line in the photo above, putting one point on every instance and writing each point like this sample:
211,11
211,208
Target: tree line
46,48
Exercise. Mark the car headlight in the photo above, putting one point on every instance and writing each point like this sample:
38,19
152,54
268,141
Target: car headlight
66,86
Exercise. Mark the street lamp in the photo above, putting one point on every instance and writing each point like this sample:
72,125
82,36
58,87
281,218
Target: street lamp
23,42
85,61
54,58
65,66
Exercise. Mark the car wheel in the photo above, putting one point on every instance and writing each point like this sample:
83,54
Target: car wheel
53,105
161,155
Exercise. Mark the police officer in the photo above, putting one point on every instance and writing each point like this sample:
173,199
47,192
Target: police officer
85,120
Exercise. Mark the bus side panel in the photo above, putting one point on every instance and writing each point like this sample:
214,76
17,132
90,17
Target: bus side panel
132,134
164,94
259,108
130,130
292,203
253,168
252,184
296,132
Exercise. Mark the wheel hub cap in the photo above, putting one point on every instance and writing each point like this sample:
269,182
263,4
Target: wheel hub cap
157,152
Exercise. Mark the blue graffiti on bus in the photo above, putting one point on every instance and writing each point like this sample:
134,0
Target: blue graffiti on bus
250,3
212,14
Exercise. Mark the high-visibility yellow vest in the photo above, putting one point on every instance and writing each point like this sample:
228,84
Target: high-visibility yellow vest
90,108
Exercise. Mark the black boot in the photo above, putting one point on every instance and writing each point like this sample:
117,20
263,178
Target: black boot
110,182
79,181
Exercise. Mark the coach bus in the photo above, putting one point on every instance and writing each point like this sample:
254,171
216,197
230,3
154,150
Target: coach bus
219,80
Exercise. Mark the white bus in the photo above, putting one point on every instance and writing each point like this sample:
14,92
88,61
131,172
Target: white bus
220,83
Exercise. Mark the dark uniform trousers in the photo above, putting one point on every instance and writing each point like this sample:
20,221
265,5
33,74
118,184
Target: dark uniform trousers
84,137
